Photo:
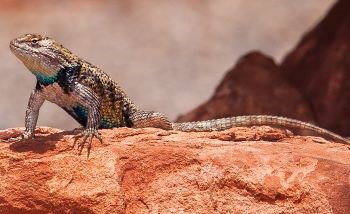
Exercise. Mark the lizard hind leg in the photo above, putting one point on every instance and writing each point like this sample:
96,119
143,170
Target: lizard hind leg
87,136
143,119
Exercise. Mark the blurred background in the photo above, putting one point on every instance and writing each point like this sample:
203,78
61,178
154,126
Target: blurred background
167,55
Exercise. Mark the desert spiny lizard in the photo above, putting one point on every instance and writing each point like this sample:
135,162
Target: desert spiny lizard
93,99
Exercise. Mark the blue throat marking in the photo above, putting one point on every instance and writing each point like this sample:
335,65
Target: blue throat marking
44,79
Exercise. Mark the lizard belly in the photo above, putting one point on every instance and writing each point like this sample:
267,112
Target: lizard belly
68,102
110,117
55,94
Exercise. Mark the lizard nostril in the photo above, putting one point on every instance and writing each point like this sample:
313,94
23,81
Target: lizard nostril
13,42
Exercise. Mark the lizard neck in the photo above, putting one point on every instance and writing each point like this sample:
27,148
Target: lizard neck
45,73
50,75
44,78
48,71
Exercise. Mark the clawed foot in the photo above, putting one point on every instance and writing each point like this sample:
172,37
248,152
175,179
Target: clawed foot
288,132
87,136
26,135
14,139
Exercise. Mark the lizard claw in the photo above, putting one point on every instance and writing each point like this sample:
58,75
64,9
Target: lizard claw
24,136
85,135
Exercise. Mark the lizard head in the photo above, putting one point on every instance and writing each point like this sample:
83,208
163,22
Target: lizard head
42,55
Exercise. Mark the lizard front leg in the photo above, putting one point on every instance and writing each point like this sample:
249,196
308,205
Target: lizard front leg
90,101
36,100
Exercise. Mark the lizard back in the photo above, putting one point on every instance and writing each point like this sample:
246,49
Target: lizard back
115,106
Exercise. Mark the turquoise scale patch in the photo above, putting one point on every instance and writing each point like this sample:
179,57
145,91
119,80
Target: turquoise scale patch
46,80
81,114
106,124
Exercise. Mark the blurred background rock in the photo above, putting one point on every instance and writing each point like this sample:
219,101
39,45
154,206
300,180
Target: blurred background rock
168,55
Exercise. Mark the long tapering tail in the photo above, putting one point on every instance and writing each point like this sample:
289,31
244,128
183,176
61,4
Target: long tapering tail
252,120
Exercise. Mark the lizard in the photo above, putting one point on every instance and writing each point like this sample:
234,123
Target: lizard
96,101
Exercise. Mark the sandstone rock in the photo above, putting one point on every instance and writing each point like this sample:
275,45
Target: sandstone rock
319,67
241,170
254,86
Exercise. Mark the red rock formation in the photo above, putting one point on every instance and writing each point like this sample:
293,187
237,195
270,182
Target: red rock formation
254,86
320,68
250,170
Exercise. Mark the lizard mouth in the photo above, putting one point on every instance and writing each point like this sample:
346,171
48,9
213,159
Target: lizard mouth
17,49
14,43
14,46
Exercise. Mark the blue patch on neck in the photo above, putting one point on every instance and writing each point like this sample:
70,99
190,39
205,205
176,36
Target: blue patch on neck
44,79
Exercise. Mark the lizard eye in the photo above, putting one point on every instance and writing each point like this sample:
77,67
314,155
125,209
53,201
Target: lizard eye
35,41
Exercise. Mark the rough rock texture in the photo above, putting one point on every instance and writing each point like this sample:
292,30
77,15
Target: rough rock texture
254,86
250,170
320,68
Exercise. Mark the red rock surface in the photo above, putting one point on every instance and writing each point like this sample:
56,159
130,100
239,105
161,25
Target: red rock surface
320,68
254,86
241,170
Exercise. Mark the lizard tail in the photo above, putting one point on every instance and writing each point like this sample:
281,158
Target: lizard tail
253,120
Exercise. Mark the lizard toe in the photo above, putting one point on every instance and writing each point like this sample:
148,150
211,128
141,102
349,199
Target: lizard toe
86,141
